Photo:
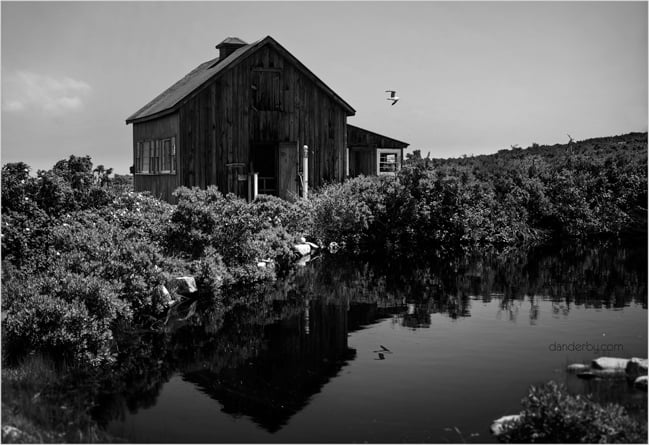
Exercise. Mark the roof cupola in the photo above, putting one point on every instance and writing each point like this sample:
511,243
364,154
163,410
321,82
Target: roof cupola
228,46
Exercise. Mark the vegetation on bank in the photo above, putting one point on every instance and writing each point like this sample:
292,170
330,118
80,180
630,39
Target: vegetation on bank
85,261
551,415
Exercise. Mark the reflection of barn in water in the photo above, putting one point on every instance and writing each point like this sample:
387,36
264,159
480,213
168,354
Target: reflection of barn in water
301,354
302,351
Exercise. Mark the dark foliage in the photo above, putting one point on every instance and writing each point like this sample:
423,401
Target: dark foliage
551,415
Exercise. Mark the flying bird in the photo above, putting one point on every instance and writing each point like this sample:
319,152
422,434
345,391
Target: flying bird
393,96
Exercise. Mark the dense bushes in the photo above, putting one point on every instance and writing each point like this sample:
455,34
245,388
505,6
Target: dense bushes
206,223
419,209
551,415
81,260
76,246
582,189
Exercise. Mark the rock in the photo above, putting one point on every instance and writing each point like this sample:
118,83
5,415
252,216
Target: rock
11,434
610,363
636,367
641,382
499,425
186,285
165,296
262,264
578,367
302,249
304,260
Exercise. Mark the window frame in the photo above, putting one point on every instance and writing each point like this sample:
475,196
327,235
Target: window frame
388,151
151,158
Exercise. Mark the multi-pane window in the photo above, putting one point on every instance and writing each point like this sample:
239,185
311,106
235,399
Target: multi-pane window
156,156
389,161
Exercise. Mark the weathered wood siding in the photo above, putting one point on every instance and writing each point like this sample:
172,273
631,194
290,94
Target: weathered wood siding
362,161
358,137
264,99
160,185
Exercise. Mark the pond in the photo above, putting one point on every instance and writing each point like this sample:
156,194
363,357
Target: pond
376,351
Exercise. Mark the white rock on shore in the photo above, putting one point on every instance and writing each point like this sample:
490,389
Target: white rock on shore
186,285
302,249
498,426
578,367
612,363
11,434
166,297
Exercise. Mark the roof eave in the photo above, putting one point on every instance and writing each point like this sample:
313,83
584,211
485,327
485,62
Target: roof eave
157,115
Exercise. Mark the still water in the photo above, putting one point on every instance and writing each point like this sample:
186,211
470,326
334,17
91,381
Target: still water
357,351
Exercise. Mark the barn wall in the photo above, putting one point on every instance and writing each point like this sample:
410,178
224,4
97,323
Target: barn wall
224,120
160,185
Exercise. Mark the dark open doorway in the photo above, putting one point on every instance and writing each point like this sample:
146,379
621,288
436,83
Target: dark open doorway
276,165
264,162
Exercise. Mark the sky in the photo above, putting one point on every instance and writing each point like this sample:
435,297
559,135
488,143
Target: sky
473,77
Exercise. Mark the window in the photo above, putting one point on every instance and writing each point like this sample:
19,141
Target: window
145,156
267,90
138,157
154,166
156,156
388,161
168,155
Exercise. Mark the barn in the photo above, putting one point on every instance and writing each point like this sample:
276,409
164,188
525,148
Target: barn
249,116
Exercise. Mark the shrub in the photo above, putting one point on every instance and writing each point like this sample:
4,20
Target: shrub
17,188
550,415
340,214
205,218
210,228
58,328
210,272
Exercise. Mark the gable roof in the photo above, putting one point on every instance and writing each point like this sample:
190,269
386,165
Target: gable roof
170,99
351,129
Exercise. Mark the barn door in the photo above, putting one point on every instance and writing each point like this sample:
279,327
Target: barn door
287,170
